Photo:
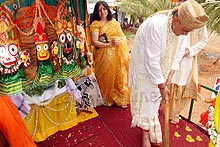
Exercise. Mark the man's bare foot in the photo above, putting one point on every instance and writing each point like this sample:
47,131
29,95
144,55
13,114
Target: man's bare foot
124,107
156,144
175,121
209,100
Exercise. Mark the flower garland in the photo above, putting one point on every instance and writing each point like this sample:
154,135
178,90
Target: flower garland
214,135
34,115
36,102
68,61
90,58
171,48
36,9
23,58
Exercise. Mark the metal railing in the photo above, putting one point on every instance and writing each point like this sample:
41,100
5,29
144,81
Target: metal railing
192,101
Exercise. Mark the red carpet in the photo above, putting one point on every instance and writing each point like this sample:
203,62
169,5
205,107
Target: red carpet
112,129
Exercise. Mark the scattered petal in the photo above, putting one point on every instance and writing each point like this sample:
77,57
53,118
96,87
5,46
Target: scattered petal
189,138
177,134
198,138
69,135
188,129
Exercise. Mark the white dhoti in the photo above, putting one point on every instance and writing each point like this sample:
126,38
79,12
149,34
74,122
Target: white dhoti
145,102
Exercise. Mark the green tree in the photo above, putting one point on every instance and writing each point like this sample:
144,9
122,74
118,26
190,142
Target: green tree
212,10
91,1
140,9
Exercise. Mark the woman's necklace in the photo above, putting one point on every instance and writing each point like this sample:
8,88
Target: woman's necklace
171,48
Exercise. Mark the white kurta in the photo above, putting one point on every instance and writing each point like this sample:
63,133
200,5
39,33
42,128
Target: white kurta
145,72
181,76
184,84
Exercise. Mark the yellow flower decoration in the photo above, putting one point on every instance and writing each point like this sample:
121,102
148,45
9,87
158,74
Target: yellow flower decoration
3,38
177,134
198,138
3,26
188,129
24,58
189,138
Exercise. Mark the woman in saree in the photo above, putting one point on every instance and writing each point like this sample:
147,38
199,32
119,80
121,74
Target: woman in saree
111,56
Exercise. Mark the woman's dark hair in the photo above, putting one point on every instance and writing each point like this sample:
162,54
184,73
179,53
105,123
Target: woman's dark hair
95,14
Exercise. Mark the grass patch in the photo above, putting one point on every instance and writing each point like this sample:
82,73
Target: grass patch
129,34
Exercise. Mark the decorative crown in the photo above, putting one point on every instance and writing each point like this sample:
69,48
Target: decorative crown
40,35
7,28
63,19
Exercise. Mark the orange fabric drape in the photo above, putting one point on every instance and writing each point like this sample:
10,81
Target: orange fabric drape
12,125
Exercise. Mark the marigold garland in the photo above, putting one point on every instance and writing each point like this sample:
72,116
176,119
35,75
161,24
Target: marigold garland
214,135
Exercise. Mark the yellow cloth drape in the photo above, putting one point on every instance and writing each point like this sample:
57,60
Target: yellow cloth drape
111,64
216,116
60,114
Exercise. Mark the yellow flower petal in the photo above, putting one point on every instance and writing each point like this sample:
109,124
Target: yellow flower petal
189,138
188,129
198,138
177,134
3,26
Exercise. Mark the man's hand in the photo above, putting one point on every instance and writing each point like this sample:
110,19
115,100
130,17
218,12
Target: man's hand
115,42
164,91
187,53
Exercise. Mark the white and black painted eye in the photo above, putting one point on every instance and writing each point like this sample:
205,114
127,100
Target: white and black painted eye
15,6
46,47
2,51
62,38
69,36
38,48
13,49
77,43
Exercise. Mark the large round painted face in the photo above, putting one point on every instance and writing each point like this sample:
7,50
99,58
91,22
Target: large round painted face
66,42
8,55
103,11
42,51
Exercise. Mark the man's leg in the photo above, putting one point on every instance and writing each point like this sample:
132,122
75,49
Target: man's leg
146,138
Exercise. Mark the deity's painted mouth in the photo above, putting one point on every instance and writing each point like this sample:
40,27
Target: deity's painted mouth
9,64
43,57
67,50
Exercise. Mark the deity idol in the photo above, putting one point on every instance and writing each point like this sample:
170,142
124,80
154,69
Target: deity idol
45,75
66,44
12,61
